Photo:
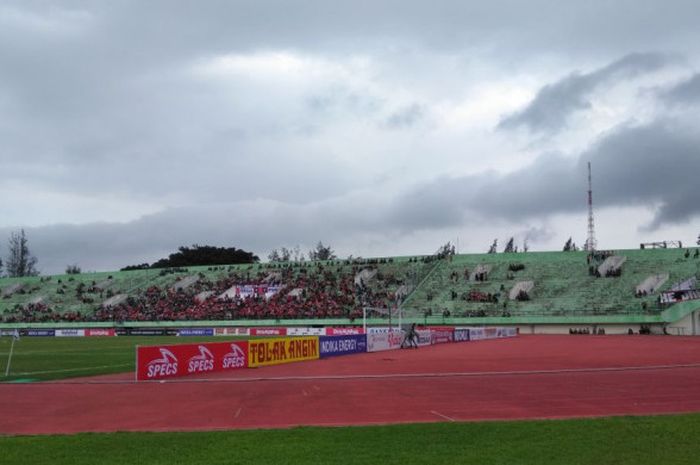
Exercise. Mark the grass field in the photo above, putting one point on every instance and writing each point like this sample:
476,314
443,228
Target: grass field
46,358
623,440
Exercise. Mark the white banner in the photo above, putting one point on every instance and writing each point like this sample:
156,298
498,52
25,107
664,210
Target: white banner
306,331
70,333
475,334
506,332
231,331
491,332
377,341
423,337
380,329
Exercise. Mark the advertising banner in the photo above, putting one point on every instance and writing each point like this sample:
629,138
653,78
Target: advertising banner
505,332
38,332
476,334
245,291
69,333
380,329
331,346
423,337
264,352
195,332
268,331
343,331
441,335
231,331
151,331
490,333
100,332
377,341
461,335
295,331
171,361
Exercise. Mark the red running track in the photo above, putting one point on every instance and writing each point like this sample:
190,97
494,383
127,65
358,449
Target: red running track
524,377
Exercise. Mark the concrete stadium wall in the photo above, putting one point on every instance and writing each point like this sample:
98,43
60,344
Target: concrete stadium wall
609,329
689,325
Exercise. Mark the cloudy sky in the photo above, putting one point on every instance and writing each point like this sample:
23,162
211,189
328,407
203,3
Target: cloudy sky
129,128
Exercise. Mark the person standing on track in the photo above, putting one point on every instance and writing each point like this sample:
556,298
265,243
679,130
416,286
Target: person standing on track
411,339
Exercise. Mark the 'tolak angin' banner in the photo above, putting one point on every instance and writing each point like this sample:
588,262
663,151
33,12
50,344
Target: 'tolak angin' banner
263,352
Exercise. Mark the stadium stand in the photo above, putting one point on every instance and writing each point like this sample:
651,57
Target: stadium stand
533,288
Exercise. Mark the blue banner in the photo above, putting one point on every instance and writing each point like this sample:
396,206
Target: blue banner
461,334
195,332
39,332
342,345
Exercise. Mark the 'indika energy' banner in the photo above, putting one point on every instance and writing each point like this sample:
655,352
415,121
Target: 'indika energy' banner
195,332
342,345
264,352
170,361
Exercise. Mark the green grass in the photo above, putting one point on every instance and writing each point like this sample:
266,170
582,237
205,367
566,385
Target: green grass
619,441
47,358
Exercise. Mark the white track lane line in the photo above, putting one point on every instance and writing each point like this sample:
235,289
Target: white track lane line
442,416
479,374
66,370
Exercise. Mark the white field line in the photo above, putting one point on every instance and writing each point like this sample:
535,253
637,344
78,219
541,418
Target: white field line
442,416
66,370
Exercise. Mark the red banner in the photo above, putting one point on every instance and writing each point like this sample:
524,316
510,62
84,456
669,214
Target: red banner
272,331
343,331
170,361
441,334
100,332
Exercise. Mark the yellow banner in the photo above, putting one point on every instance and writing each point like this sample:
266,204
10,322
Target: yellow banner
263,352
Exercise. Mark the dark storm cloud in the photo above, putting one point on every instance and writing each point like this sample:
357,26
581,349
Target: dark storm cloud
256,226
653,165
686,92
405,117
101,89
555,103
